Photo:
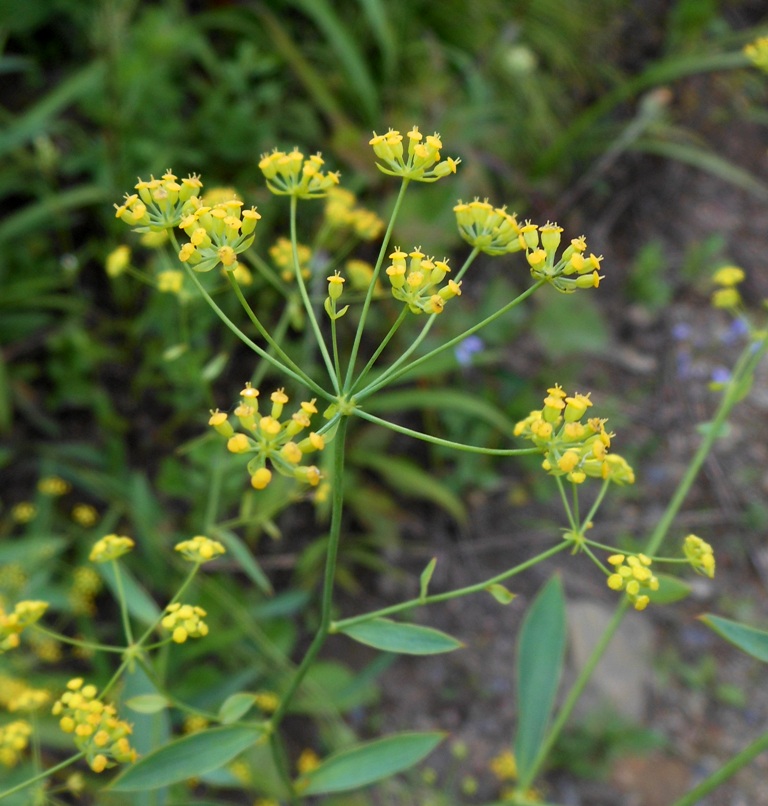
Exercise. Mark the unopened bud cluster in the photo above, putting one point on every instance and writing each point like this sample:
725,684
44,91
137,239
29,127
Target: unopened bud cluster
633,575
185,621
13,624
490,229
281,253
272,438
700,555
217,234
200,549
420,162
727,295
571,270
94,725
291,174
415,279
573,447
158,204
110,547
343,212
14,738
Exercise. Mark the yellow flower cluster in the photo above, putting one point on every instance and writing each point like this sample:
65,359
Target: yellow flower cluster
170,281
757,52
159,203
267,701
415,277
727,294
700,555
571,447
96,729
491,229
342,212
633,575
504,766
53,486
23,512
292,175
281,253
16,695
573,270
110,547
13,624
86,584
117,261
185,621
422,163
200,549
217,234
270,438
14,738
307,761
85,515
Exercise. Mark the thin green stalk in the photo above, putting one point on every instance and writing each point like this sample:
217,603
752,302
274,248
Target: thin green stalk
596,505
335,347
448,443
334,538
392,369
389,377
260,351
567,707
371,288
313,323
75,642
342,624
719,777
62,765
384,342
566,503
266,335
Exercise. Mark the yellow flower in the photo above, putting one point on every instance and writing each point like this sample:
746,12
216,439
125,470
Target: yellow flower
117,261
23,512
290,174
491,229
94,726
159,203
728,276
421,162
110,547
307,761
727,298
504,766
757,52
268,701
633,575
84,514
200,549
170,281
53,486
14,738
700,555
415,281
185,621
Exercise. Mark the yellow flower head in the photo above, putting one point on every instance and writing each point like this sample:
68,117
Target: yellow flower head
757,52
420,161
53,486
291,174
415,278
85,515
117,261
185,621
491,229
633,575
700,555
14,739
110,547
170,281
728,276
158,204
504,766
200,549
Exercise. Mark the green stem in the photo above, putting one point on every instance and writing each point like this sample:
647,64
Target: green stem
457,446
308,307
728,769
41,776
260,351
334,537
389,377
272,342
340,626
384,342
372,286
75,642
566,503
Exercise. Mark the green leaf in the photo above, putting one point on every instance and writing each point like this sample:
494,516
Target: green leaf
366,763
501,594
242,554
235,706
411,480
671,589
406,639
748,639
147,703
188,757
540,653
426,577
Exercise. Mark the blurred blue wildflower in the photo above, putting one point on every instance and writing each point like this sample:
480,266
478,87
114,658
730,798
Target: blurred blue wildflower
467,348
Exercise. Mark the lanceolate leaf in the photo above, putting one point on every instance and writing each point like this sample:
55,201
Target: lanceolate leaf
748,639
189,757
540,653
370,762
407,639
